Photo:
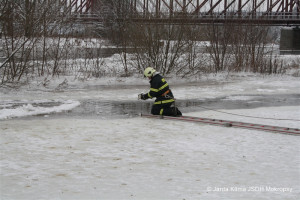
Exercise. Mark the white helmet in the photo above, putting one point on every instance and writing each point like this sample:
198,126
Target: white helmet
149,71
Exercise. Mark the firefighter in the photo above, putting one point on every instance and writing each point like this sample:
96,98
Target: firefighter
159,88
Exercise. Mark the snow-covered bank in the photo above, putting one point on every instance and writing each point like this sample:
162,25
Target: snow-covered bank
141,158
127,88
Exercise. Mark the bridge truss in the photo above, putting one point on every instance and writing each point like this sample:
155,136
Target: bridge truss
272,12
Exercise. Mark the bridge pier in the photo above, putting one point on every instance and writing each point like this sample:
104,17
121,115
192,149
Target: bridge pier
290,41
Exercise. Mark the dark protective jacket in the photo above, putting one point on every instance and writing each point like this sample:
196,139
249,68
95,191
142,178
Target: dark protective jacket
159,88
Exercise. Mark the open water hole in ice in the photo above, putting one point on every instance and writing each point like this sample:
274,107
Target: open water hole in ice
122,109
133,108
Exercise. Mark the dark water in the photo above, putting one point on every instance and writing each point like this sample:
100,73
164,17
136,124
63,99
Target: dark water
123,109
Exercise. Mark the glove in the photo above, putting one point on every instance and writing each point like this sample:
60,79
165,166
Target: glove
142,96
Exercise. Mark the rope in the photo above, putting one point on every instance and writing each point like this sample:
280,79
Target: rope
248,115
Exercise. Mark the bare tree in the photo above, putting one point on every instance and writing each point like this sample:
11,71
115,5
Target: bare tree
219,40
159,46
23,24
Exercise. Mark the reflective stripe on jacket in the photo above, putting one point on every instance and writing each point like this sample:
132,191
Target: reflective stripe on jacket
159,88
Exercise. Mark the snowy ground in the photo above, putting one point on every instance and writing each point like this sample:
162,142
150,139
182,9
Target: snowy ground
139,158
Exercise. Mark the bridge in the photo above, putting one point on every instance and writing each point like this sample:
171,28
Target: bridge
195,12
262,12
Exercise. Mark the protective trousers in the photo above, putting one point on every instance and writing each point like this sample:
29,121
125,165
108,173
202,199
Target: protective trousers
165,109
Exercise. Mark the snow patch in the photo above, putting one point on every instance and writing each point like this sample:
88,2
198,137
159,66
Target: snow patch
11,111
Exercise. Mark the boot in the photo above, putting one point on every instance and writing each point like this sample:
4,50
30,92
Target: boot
178,113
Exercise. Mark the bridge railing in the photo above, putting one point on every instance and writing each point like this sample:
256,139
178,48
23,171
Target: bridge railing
290,18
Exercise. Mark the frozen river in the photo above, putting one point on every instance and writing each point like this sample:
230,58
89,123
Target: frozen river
87,142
